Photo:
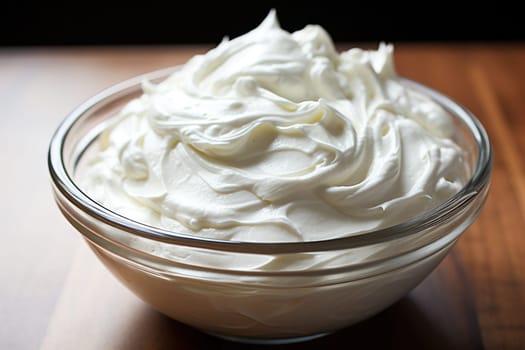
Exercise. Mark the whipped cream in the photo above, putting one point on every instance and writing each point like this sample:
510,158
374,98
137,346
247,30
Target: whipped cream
275,136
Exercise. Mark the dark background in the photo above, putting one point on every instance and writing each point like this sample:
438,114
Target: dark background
176,22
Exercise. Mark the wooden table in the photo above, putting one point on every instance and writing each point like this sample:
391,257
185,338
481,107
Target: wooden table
54,294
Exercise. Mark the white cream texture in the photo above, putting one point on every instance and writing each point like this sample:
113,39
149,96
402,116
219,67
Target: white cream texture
275,136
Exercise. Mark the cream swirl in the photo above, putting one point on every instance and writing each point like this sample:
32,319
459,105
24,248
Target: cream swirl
275,136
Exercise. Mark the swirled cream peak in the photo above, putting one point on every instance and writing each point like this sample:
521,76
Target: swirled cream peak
275,136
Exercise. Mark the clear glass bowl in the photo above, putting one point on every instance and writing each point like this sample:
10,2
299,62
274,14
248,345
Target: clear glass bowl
220,287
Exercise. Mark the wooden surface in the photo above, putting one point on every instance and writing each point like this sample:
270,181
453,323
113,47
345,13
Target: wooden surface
54,294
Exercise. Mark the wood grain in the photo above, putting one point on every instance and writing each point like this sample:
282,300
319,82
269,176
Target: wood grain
54,294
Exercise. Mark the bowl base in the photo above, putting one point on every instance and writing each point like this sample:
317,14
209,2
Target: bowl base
268,341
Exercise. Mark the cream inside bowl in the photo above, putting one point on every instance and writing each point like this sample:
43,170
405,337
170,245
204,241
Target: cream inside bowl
271,190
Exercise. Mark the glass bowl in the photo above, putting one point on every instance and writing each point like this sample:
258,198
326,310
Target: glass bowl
262,292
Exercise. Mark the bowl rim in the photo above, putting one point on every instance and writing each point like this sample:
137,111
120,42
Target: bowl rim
65,185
